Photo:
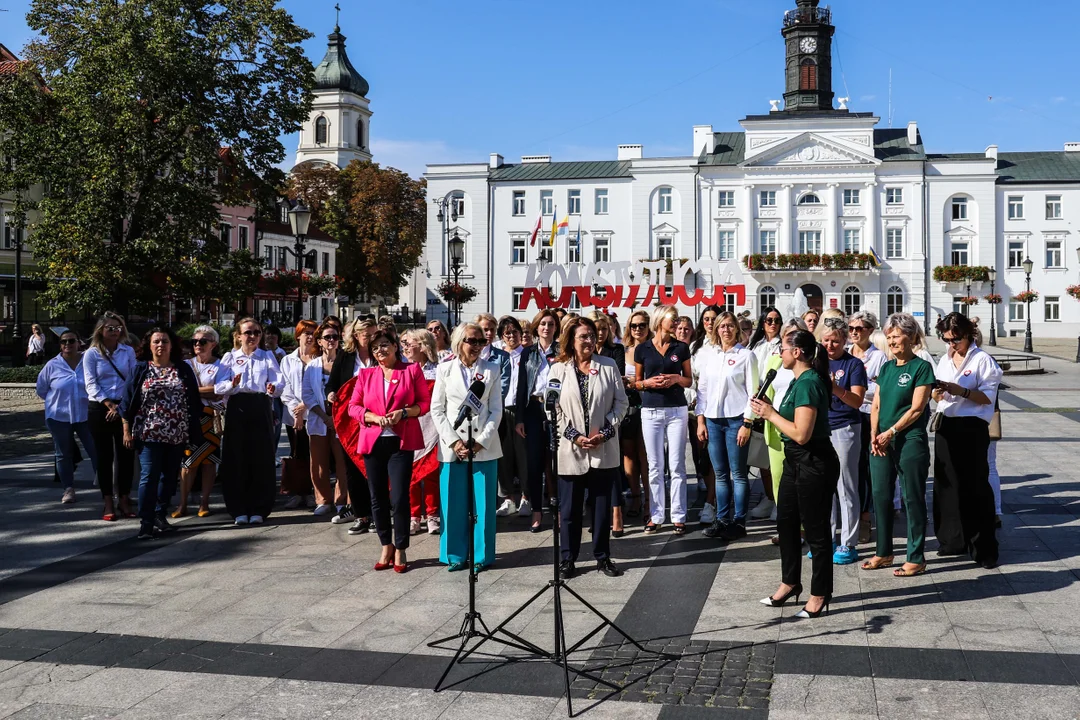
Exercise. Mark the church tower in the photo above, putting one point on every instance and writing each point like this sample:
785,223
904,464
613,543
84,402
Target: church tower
808,35
338,129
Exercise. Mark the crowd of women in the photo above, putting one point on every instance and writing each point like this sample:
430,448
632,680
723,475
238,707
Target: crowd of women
376,442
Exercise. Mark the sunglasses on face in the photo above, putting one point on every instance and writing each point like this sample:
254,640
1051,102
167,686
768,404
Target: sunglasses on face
952,341
252,333
857,328
331,338
434,329
638,326
201,341
113,328
69,341
475,342
383,347
834,323
772,321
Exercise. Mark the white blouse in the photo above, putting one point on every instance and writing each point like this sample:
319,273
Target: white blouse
102,381
216,374
255,371
978,371
726,381
872,360
64,391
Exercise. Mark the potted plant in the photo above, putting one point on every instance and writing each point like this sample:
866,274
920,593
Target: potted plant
968,300
992,299
1073,291
457,293
1026,296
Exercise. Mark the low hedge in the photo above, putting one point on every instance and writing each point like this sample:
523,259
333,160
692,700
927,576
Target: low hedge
27,374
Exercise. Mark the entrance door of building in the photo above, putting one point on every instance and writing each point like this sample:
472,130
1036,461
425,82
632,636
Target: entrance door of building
814,298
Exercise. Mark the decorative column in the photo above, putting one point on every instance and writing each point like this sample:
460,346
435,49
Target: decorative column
832,223
785,238
748,215
873,219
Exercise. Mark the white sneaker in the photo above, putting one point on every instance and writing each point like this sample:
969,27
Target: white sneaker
256,519
325,509
763,509
525,508
506,509
708,514
294,502
414,526
433,526
241,520
345,515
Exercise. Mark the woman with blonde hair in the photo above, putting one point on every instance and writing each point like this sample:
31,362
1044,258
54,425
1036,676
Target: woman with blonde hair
606,347
635,461
292,372
662,372
442,339
811,317
828,314
322,436
418,346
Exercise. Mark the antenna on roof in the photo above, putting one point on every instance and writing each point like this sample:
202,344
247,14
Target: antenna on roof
890,97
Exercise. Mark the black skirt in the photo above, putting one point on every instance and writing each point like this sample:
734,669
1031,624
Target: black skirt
247,455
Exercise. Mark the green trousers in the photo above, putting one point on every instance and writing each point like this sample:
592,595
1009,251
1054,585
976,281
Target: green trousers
908,457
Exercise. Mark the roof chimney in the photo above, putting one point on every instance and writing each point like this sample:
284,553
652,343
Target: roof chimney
629,152
496,161
704,140
912,133
991,152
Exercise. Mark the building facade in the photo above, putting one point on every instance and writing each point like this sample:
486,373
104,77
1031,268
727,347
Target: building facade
812,204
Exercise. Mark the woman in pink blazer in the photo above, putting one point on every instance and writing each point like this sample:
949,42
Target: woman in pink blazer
387,401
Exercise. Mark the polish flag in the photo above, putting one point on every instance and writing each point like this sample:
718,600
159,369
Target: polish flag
536,230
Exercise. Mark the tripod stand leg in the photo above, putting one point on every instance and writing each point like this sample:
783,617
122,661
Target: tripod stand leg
606,621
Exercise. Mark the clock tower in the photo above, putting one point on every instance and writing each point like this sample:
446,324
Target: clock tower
808,35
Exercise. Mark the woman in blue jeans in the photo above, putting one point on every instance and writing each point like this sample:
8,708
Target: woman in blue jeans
162,414
727,379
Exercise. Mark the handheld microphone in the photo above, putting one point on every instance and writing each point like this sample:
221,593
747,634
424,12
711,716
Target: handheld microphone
472,403
769,377
551,396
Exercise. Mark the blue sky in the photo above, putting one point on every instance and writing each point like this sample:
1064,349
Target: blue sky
573,79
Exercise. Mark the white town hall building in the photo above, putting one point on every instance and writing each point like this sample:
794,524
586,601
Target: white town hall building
877,211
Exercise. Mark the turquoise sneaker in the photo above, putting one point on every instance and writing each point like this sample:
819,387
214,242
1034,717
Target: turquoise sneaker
845,555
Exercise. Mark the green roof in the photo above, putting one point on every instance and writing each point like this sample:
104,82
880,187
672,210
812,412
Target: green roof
588,169
1037,167
891,145
335,72
939,157
730,149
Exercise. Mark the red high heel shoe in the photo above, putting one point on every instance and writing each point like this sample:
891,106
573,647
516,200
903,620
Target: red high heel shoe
401,568
384,566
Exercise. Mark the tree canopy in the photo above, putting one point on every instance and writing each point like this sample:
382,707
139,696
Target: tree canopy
137,117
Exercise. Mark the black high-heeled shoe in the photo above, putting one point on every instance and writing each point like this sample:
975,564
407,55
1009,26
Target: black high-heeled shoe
771,602
804,613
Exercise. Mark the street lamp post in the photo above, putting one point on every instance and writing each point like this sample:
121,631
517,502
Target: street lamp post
991,274
447,207
1028,265
18,354
457,259
299,219
1078,339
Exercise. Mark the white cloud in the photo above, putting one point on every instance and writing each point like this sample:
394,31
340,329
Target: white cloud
412,156
1058,99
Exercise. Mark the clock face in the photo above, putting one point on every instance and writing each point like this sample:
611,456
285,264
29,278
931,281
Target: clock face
808,45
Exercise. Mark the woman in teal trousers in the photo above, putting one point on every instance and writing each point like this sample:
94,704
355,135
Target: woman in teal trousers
453,380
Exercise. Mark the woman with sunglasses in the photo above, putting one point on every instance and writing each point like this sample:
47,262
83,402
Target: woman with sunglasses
292,397
418,346
966,388
698,339
861,327
62,385
514,464
247,456
442,339
607,347
635,460
533,425
319,422
765,344
215,383
108,364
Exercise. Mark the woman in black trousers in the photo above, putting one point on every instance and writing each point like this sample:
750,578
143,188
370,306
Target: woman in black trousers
811,472
534,425
967,385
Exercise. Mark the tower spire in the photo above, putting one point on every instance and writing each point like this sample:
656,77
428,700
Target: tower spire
337,17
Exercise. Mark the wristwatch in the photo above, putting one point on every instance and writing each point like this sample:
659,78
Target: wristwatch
749,424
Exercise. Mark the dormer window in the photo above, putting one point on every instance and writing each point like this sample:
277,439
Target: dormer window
320,131
808,75
809,199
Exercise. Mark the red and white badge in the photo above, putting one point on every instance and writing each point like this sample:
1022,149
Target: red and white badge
967,372
241,361
394,381
731,361
479,376
674,358
838,375
594,371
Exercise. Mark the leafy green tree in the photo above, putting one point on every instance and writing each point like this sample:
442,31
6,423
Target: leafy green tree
378,216
128,136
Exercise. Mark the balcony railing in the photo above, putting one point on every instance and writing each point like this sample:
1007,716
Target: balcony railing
810,261
808,16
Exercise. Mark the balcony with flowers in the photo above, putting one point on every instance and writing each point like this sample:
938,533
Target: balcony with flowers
852,263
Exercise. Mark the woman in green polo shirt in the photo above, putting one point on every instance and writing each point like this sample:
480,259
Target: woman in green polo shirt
899,446
811,471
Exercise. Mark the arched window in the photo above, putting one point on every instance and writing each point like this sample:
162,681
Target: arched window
767,296
809,199
894,300
360,135
852,300
808,75
320,131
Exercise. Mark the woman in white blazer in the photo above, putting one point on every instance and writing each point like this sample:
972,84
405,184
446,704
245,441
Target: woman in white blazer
452,381
292,370
592,403
320,422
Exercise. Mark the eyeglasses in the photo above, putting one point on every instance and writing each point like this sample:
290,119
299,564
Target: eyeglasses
833,323
638,326
772,321
252,333
857,328
69,341
586,338
952,341
511,333
475,342
434,329
331,338
784,349
383,347
113,328
201,341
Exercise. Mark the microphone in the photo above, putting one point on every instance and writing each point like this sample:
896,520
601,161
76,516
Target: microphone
472,402
551,397
769,377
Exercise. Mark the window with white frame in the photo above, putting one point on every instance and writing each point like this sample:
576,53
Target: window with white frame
225,234
851,197
894,196
268,255
459,205
1017,310
894,300
1054,254
575,301
283,258
1016,253
809,199
730,303
518,251
767,296
547,249
602,249
516,296
573,202
1052,308
767,242
960,252
726,198
725,249
810,242
852,300
894,243
519,202
242,237
547,202
767,198
665,247
959,209
601,201
1016,207
852,241
664,200
573,249
1053,207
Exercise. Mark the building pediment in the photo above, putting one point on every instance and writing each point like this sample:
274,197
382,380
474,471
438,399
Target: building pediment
665,228
960,232
810,149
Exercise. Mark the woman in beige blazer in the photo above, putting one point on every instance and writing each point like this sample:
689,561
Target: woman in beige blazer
591,405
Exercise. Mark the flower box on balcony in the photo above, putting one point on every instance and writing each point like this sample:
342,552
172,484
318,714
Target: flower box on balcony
961,274
809,261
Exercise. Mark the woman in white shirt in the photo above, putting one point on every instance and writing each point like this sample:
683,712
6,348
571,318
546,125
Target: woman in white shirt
35,346
247,455
514,464
62,385
861,327
320,422
967,385
108,364
292,373
727,378
215,382
765,342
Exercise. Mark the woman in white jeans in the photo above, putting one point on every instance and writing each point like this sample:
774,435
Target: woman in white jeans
662,371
